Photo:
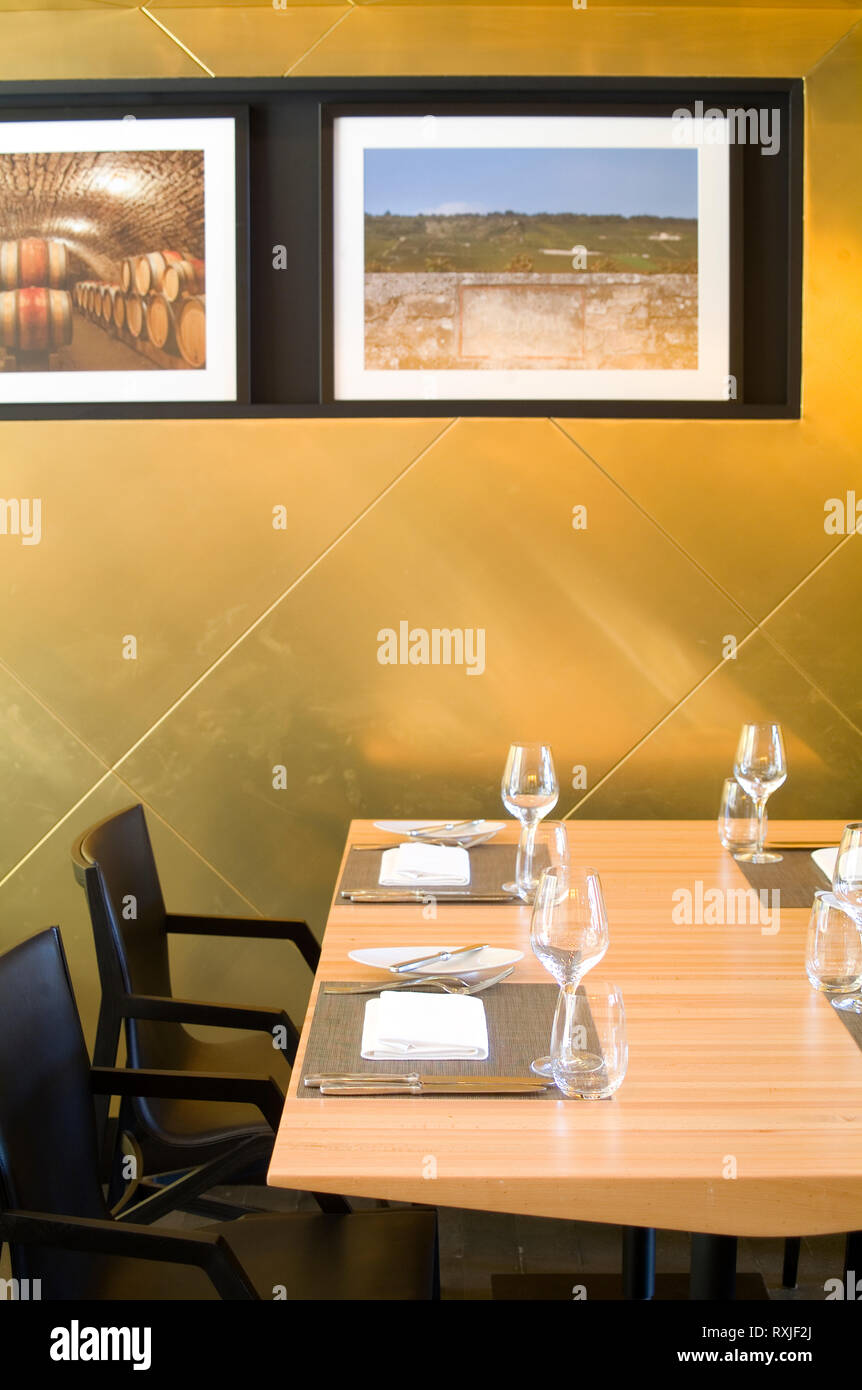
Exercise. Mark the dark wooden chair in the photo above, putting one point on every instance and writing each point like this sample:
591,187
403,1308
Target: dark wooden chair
53,1213
114,862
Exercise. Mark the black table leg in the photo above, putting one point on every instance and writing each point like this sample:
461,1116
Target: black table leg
713,1267
638,1262
853,1256
790,1272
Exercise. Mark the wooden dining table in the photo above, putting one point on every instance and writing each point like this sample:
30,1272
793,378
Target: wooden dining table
740,1114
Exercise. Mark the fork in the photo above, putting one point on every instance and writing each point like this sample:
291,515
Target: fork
458,844
449,984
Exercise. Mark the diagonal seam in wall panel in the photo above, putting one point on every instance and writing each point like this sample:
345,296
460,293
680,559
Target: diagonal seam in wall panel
173,38
113,769
317,42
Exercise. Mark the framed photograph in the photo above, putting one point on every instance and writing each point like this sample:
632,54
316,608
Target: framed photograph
534,257
122,260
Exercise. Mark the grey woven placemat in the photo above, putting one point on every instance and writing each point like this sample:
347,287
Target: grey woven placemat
853,1023
519,1028
490,867
797,877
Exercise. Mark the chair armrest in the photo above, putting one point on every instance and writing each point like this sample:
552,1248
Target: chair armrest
262,1091
207,1250
267,928
166,1009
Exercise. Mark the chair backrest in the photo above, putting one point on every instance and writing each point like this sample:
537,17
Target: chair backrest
48,1152
114,860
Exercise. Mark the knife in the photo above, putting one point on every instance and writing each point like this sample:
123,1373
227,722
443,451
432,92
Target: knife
421,895
447,827
428,1086
415,1078
797,844
406,967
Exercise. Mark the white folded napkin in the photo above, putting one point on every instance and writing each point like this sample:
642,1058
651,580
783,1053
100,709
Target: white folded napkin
434,1026
825,860
415,863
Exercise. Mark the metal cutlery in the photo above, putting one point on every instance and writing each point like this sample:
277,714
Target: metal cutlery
316,1079
421,895
415,1078
422,832
449,984
437,1085
847,1003
407,967
796,844
468,842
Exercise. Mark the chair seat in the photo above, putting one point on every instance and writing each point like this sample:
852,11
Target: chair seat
199,1128
370,1255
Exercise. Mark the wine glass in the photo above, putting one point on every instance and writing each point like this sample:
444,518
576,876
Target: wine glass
549,849
568,930
760,769
529,790
847,874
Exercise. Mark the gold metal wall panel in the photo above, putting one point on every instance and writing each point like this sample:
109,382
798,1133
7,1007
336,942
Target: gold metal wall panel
44,892
250,5
44,769
11,5
820,628
47,45
590,638
846,5
744,500
163,531
593,639
832,346
596,41
249,42
678,772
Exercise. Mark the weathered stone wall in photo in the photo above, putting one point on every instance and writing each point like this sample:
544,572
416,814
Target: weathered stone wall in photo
587,321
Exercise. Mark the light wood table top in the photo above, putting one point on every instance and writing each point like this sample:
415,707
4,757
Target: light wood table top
736,1066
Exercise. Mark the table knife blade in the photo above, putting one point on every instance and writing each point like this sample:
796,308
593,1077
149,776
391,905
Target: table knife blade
422,895
382,1083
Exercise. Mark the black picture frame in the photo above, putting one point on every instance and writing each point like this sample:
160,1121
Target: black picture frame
529,107
123,109
289,204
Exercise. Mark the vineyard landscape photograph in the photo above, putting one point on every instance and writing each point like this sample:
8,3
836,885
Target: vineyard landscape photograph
543,258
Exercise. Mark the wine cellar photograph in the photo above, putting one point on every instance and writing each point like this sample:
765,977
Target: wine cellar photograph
102,261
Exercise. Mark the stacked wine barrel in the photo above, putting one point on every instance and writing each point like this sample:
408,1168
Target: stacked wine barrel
35,305
160,300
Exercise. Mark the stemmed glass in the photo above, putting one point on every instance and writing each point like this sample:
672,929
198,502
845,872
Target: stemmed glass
529,790
847,887
568,934
760,769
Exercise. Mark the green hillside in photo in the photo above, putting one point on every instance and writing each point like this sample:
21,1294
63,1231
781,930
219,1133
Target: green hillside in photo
517,242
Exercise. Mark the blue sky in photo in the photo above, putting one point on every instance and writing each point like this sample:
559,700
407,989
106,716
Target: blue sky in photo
628,182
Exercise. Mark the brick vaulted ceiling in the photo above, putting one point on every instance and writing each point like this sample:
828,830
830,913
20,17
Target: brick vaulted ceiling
105,206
